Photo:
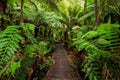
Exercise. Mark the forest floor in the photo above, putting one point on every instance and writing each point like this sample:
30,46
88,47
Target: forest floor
62,68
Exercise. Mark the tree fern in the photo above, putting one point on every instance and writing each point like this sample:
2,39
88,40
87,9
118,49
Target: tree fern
107,35
86,15
35,46
111,33
103,47
29,32
9,43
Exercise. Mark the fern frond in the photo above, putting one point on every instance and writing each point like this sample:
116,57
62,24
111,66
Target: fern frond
90,47
86,16
9,43
100,45
111,33
90,35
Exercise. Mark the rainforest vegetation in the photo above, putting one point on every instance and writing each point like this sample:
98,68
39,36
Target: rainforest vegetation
88,29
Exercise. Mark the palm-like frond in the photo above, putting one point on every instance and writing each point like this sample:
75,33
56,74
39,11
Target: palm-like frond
89,14
9,43
70,12
111,34
102,45
114,6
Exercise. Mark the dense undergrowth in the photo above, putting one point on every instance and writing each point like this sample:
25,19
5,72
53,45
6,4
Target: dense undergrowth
22,53
30,28
101,50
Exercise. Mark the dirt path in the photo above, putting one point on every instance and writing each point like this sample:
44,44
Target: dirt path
61,69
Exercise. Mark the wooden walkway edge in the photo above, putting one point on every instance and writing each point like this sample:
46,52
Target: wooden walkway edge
61,68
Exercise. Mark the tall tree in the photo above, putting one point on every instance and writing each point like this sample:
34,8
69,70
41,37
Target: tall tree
102,9
21,15
85,10
3,7
96,12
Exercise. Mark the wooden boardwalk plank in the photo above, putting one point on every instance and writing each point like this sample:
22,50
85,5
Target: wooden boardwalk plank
62,68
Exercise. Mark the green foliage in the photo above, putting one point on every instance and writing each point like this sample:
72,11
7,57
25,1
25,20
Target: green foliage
44,48
111,34
41,15
14,65
29,32
3,16
30,50
103,47
89,14
29,27
9,43
21,72
70,12
50,18
106,36
44,68
114,7
13,11
102,65
45,65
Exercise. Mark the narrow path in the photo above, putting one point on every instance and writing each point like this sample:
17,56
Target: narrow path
62,68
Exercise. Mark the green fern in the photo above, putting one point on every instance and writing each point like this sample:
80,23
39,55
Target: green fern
111,33
30,50
29,32
100,45
86,16
34,47
9,44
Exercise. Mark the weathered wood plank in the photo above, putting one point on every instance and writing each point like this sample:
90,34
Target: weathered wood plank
62,68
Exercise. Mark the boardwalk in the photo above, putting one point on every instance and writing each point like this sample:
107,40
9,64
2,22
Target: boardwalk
61,69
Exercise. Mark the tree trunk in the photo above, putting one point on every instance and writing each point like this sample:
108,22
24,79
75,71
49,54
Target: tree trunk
85,10
21,15
96,12
102,9
3,7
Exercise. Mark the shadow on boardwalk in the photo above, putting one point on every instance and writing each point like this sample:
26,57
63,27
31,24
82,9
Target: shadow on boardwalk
62,68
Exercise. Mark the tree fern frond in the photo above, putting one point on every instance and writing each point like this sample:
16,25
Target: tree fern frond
9,43
91,6
110,32
85,45
100,45
86,16
89,35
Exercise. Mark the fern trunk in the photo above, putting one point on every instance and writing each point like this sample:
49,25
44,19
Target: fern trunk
3,7
96,12
85,10
102,9
21,15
